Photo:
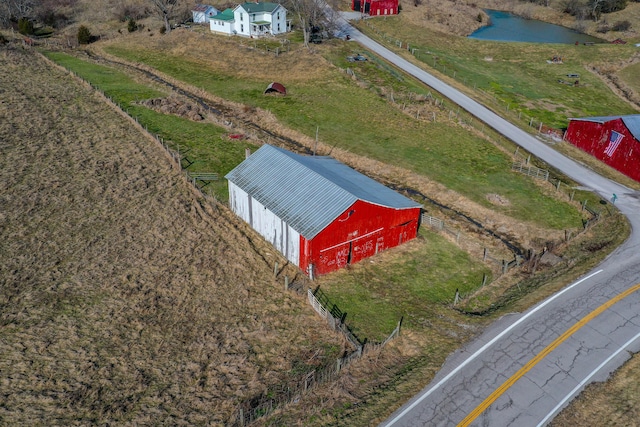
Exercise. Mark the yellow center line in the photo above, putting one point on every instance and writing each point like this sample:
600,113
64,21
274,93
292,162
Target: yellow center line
526,368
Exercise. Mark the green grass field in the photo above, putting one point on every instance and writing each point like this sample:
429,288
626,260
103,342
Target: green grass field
206,142
377,293
518,74
361,121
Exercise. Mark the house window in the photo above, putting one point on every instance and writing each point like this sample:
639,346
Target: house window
241,16
253,17
278,15
278,27
242,28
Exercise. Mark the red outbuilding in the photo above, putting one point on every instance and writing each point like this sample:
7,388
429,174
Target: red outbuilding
319,213
375,7
615,140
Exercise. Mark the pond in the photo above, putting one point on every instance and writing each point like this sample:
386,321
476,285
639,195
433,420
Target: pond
508,27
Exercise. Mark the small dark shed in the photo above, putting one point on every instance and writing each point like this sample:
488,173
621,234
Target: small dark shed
276,87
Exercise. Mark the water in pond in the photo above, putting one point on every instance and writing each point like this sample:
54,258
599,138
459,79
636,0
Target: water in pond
507,27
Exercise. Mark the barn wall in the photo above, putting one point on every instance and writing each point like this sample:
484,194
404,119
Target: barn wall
375,7
383,7
361,231
275,230
593,138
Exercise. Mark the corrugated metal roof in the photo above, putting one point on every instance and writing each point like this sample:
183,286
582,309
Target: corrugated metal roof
632,122
225,15
202,8
309,192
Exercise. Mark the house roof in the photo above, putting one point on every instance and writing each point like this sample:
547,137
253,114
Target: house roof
309,192
632,122
255,7
225,15
202,8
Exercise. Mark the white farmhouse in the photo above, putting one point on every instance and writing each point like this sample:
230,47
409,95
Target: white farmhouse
252,20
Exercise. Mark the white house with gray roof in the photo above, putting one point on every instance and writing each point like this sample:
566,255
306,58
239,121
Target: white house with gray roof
252,20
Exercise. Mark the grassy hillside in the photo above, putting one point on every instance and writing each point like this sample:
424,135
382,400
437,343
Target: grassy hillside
124,298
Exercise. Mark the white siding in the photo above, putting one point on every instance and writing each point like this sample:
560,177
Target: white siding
199,17
242,24
279,21
219,26
284,238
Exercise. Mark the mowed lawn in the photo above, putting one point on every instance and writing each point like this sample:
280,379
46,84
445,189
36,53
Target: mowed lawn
353,118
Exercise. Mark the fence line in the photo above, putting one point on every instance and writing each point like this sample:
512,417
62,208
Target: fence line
530,170
449,70
252,409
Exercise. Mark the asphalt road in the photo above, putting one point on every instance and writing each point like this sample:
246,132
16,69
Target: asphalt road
527,366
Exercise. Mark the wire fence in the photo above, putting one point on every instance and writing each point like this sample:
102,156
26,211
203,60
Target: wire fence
276,397
449,69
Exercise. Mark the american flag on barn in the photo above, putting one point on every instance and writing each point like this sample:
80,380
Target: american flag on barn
615,140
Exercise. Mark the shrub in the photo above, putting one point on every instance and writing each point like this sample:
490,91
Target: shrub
132,25
25,26
3,39
621,26
479,17
84,35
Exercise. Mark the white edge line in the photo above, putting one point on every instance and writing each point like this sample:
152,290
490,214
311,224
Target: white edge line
484,347
573,392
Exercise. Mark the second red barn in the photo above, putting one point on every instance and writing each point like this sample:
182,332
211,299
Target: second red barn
615,140
375,7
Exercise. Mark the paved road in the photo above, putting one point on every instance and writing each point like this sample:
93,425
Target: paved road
526,367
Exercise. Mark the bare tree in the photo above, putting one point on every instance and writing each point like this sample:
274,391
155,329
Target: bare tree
16,9
314,16
165,9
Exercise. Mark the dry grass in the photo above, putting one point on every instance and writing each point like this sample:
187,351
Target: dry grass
125,298
613,403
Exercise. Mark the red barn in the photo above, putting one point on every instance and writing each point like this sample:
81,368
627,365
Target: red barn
614,139
375,7
319,213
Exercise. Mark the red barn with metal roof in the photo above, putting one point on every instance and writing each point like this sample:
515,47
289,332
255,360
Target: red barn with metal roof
615,140
375,7
319,213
